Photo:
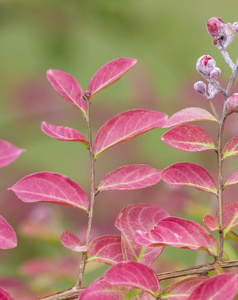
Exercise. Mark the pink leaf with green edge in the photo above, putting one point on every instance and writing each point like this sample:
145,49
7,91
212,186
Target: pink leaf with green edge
129,178
101,289
63,133
106,249
72,242
138,217
4,295
232,179
230,216
181,290
125,127
135,275
51,187
68,88
178,233
189,174
219,287
231,148
109,73
8,237
188,138
189,114
8,153
210,223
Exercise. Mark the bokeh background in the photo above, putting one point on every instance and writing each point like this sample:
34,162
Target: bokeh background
78,37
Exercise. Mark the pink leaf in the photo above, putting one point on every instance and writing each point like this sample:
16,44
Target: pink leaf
181,290
178,233
72,242
135,275
230,216
102,289
8,153
231,148
210,223
109,73
51,187
129,178
8,237
220,287
189,174
106,249
189,114
232,179
68,88
4,295
63,133
125,127
188,138
138,217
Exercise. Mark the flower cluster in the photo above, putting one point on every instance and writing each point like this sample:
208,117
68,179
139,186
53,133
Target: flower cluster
222,33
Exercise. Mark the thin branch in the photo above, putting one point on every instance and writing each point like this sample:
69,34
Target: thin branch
227,58
74,292
92,197
197,270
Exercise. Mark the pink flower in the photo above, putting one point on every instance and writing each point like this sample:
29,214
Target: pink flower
216,27
205,65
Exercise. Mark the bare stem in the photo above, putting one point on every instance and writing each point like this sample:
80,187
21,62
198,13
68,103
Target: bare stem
227,58
92,197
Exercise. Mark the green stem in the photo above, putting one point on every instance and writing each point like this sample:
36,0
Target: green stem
92,197
220,181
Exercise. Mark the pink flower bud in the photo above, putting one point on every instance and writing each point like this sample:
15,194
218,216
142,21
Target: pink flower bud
216,27
205,64
214,74
200,87
87,95
232,104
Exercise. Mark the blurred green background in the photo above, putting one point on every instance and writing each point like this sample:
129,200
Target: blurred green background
78,37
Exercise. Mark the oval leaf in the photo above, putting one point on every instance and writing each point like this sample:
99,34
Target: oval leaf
125,127
189,174
232,179
102,289
109,73
189,114
4,295
72,242
68,88
8,153
210,223
220,287
106,249
231,148
178,233
130,178
230,216
63,133
181,290
51,187
188,138
8,237
138,217
135,275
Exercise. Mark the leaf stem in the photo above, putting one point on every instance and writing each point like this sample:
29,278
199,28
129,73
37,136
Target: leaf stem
92,197
220,181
